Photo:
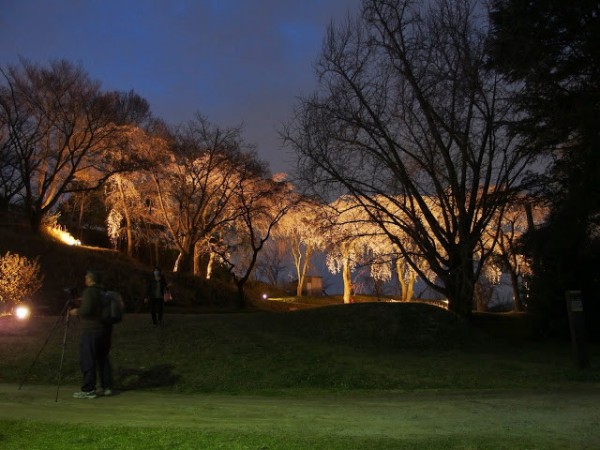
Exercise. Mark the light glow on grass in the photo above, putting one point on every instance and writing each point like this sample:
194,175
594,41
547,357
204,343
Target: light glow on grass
62,236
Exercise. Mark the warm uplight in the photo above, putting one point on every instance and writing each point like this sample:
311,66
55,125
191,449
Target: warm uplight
62,236
22,312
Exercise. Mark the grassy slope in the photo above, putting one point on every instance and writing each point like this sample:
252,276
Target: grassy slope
64,267
356,353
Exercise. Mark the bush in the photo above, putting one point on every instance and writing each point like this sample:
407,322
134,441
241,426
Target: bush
20,278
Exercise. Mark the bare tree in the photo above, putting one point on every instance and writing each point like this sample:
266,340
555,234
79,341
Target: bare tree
59,125
261,204
272,262
408,112
10,181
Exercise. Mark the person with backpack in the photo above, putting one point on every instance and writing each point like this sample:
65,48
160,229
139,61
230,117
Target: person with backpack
155,294
95,339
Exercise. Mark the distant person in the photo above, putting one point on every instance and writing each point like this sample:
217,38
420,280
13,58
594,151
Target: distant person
95,340
155,294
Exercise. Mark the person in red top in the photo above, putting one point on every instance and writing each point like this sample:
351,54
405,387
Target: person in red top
94,342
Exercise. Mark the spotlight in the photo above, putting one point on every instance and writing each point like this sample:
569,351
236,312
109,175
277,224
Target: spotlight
265,296
22,312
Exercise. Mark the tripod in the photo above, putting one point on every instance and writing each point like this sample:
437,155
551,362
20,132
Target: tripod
64,318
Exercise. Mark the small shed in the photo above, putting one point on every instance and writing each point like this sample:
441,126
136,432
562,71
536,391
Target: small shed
313,285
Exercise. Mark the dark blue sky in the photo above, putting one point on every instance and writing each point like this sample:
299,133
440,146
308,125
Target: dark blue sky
234,61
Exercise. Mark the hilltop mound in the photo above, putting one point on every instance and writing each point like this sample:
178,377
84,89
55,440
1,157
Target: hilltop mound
390,325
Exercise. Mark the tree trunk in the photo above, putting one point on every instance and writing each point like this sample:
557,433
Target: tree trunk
303,268
297,256
197,260
183,263
410,287
209,266
346,276
514,281
460,283
407,287
241,294
127,215
35,221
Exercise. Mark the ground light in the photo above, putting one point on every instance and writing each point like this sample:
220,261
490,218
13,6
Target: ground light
22,312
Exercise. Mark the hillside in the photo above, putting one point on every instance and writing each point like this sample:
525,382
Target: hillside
64,268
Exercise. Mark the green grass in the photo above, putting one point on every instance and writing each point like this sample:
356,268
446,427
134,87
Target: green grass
368,376
43,437
378,346
301,374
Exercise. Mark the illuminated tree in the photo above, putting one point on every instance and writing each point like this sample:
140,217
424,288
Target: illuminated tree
126,156
196,192
125,191
348,236
59,128
302,230
518,218
408,255
407,111
20,278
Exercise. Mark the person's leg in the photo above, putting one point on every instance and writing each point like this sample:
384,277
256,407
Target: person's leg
87,361
153,308
104,366
160,307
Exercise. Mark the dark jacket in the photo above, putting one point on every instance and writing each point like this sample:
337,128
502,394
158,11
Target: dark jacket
90,311
156,288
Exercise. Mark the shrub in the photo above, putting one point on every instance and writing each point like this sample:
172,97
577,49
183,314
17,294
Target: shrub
19,278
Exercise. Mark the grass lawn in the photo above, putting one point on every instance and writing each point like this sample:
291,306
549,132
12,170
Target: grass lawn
380,376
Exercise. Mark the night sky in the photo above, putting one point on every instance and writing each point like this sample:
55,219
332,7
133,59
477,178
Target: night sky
234,61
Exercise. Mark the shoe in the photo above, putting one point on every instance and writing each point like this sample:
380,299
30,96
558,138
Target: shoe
84,394
107,392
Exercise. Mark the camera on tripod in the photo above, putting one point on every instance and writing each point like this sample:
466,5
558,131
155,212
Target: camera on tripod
72,301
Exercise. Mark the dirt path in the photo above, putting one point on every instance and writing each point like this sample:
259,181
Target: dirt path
560,414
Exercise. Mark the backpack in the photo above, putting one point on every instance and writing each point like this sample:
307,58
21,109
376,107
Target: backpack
112,307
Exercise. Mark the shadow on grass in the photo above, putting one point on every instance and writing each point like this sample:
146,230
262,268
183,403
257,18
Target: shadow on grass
142,378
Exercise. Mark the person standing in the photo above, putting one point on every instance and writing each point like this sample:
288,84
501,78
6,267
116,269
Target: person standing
155,294
95,339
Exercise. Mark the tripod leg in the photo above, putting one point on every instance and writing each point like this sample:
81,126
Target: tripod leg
62,355
42,348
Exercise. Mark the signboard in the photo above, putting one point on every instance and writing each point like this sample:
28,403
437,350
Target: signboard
574,301
577,325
